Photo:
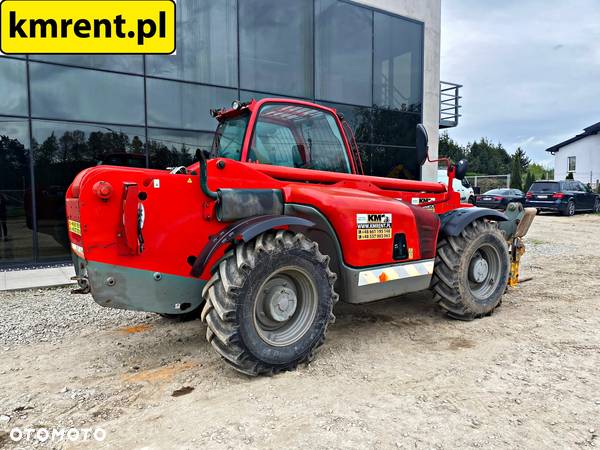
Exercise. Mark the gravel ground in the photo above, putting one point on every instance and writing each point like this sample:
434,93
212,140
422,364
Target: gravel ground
395,374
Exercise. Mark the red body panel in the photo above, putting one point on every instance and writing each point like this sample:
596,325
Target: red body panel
179,219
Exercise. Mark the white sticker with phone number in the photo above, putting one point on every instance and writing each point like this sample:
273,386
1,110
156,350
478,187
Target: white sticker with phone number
373,226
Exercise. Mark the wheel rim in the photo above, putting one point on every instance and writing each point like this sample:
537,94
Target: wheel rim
484,272
597,206
285,306
571,208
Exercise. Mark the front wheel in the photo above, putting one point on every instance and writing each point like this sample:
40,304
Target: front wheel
597,206
269,303
471,271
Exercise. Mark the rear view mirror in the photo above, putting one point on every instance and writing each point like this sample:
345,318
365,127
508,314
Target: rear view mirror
461,169
422,144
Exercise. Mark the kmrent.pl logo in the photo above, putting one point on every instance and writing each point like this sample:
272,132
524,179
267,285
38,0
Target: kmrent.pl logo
89,26
57,434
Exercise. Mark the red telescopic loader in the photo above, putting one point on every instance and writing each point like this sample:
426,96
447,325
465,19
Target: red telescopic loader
261,237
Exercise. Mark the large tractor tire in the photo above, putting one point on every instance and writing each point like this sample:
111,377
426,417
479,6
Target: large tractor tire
269,303
471,271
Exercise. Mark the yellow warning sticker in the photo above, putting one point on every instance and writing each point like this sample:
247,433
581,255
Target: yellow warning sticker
373,226
75,227
189,181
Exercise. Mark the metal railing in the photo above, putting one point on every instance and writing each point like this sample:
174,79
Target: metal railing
449,104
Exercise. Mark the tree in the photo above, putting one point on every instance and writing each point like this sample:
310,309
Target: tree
488,159
529,180
522,159
516,176
538,171
450,149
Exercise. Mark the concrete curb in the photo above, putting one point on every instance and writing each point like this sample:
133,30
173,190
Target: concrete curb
36,278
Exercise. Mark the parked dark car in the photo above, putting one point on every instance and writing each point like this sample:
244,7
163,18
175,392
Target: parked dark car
566,197
500,198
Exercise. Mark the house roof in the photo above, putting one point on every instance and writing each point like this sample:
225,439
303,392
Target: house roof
589,131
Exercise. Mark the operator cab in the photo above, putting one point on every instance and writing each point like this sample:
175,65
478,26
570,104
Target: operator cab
294,135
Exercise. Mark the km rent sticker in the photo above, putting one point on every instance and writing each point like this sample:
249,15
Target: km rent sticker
373,226
90,26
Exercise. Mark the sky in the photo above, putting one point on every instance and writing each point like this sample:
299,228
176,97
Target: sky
530,70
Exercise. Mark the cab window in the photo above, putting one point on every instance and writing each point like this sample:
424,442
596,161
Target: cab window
229,137
296,136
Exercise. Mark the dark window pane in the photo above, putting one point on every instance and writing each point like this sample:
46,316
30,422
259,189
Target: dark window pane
276,46
246,96
118,63
60,151
206,44
15,192
394,127
81,94
390,162
295,136
398,63
13,87
173,104
172,148
344,52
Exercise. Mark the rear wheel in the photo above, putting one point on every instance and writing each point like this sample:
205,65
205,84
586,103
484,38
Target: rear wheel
269,303
597,206
570,209
471,271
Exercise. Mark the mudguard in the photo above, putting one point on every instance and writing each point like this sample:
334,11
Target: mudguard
455,221
244,230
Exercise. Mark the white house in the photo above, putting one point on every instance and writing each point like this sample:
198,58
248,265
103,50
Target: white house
580,156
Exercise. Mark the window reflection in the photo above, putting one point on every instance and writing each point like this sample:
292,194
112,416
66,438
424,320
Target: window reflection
246,96
15,192
60,151
13,87
82,94
172,148
344,52
394,127
398,63
118,63
173,104
206,44
276,46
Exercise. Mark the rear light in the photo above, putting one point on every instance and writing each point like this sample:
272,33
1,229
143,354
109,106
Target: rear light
558,195
529,195
478,197
498,198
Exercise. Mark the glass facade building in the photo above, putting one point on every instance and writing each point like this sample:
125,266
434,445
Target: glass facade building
62,113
